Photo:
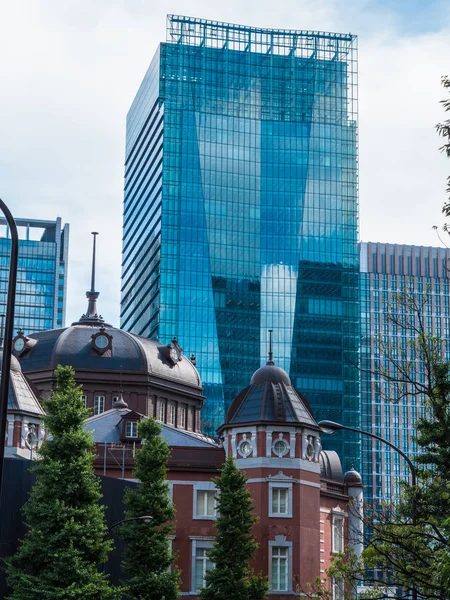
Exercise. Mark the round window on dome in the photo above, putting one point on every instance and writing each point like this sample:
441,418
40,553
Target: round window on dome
280,448
19,344
101,341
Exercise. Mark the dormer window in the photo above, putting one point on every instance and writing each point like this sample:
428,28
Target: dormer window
22,343
131,429
175,351
101,341
19,344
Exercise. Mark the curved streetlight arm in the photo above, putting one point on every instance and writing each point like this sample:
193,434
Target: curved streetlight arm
8,335
146,518
412,468
330,427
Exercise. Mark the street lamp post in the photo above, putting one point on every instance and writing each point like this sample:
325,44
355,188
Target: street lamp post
329,427
9,322
145,518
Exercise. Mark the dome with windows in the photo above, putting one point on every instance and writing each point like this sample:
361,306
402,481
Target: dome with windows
98,347
270,398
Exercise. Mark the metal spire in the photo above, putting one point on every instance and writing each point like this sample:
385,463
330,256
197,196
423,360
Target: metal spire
95,234
91,317
270,361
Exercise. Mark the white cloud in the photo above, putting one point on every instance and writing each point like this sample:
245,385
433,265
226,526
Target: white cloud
70,69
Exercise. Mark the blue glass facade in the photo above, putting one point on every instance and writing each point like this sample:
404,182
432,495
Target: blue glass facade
389,271
240,210
41,276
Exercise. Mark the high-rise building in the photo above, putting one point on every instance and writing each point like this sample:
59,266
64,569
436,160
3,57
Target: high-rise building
41,275
240,210
395,280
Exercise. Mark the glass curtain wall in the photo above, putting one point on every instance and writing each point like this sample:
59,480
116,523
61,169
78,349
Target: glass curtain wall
390,272
241,187
41,275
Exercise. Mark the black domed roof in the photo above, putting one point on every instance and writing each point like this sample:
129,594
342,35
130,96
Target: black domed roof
120,352
270,373
270,398
353,478
129,352
330,466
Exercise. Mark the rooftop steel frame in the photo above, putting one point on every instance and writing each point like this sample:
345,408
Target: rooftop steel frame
283,42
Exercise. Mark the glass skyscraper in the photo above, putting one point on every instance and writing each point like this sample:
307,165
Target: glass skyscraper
240,210
41,276
389,272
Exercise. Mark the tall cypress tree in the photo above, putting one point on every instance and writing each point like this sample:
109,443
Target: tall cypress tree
235,545
66,541
148,558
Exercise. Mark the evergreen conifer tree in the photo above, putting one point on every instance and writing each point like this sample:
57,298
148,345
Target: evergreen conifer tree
59,557
148,558
234,547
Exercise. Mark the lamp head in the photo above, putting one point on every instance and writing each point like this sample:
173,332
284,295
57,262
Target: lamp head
329,427
146,518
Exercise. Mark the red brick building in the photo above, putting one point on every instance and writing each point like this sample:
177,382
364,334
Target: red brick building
299,494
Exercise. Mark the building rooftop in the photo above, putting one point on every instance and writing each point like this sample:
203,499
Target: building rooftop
285,42
105,429
270,397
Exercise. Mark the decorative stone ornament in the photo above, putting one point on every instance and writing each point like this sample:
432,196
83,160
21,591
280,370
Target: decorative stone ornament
32,439
101,341
309,450
175,351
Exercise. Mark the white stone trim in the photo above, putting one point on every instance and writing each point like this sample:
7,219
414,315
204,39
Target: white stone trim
292,444
198,542
337,543
10,430
233,446
274,478
337,510
207,486
281,429
277,463
280,541
280,485
175,482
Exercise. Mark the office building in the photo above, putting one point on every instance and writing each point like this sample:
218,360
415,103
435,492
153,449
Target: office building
41,275
240,210
388,272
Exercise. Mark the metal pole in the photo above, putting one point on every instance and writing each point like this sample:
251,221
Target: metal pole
9,323
145,518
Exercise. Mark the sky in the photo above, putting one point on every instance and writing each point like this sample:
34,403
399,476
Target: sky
71,68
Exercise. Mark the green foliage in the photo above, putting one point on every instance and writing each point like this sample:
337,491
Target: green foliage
234,547
443,130
148,560
409,540
59,557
